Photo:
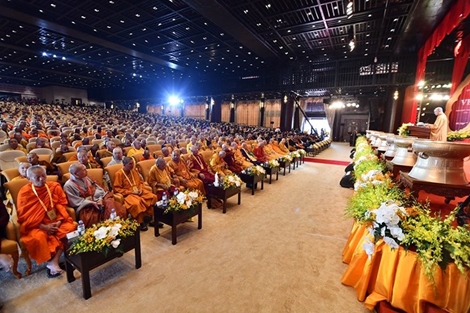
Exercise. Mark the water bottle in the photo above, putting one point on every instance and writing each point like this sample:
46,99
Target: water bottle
113,214
164,199
175,193
81,228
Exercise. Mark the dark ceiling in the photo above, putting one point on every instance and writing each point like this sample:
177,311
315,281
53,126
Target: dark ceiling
170,44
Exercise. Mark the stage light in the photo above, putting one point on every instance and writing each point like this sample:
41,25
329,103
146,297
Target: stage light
174,100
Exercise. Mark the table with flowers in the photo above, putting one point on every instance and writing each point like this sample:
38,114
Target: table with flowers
100,244
252,176
223,189
180,208
271,167
400,252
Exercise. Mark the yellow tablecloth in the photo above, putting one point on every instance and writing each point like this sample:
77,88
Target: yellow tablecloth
397,277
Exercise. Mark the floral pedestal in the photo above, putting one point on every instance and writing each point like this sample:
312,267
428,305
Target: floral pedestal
271,171
284,165
175,218
85,262
252,181
219,193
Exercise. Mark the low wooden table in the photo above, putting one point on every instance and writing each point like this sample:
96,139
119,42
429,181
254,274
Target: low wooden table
253,181
173,219
219,193
295,163
85,262
284,165
271,171
445,190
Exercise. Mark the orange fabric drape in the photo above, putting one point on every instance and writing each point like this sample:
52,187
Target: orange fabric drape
396,276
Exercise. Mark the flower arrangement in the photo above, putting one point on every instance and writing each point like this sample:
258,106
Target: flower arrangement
184,200
295,154
272,163
374,177
229,181
302,152
403,129
458,135
385,225
104,236
437,241
286,158
255,170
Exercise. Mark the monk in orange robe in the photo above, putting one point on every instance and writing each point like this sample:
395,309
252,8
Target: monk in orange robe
277,148
162,178
197,165
138,200
43,218
186,178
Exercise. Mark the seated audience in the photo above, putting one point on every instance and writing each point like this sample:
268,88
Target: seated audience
15,146
44,220
186,178
197,165
162,178
138,201
90,201
218,164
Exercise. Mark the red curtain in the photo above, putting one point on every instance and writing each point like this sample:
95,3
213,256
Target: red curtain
460,63
459,11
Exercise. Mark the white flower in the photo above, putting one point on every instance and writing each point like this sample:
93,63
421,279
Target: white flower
396,232
391,242
386,213
101,233
237,183
231,179
189,203
193,195
115,243
114,230
181,197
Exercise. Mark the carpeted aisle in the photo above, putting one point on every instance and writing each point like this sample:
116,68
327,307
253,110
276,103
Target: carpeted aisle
279,251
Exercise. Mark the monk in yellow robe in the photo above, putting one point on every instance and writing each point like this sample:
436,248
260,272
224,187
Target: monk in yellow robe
269,151
43,218
239,158
218,165
277,148
136,148
283,146
186,178
138,200
162,178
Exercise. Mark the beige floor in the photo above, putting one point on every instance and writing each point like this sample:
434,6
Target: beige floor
279,251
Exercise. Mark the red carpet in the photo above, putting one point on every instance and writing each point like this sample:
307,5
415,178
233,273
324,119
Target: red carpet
324,161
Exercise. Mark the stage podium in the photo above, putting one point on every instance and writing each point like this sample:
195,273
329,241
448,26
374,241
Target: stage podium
419,131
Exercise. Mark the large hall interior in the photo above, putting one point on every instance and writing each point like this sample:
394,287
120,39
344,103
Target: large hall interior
256,155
